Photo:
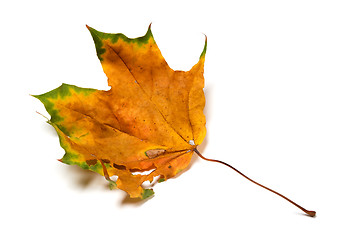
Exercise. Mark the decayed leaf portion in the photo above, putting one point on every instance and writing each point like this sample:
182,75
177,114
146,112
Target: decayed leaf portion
146,121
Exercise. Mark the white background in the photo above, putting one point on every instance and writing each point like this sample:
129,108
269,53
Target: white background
272,108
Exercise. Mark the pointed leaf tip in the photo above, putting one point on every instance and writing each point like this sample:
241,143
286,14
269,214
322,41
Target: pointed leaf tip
147,193
112,185
205,47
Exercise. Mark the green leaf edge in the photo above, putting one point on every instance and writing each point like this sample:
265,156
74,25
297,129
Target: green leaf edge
147,193
62,92
99,36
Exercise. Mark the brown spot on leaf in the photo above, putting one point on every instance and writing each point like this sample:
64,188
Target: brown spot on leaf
91,162
105,160
152,153
120,167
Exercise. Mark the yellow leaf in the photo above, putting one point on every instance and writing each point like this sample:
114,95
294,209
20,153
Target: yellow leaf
150,120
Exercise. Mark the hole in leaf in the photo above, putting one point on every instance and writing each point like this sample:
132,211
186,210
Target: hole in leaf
146,172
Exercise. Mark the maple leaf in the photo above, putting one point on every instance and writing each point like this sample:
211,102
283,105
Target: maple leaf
151,118
147,125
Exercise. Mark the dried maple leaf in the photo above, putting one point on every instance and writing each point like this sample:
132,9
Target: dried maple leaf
151,118
147,125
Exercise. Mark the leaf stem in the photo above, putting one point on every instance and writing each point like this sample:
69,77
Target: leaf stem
309,213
